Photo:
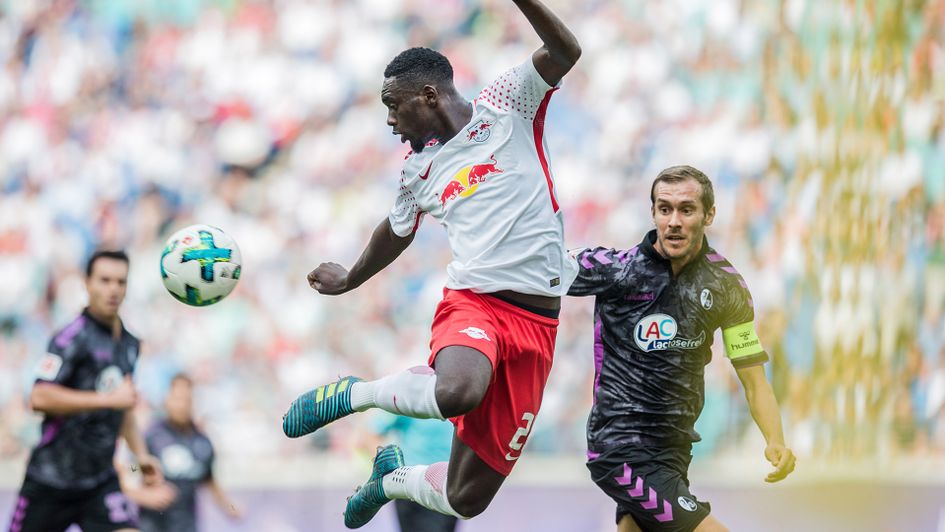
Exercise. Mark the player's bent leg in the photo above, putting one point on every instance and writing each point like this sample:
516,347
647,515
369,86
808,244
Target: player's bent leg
463,377
316,408
471,484
369,498
462,488
456,386
627,524
711,524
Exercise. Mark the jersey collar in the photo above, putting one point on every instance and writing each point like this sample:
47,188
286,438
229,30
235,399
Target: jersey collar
648,248
105,327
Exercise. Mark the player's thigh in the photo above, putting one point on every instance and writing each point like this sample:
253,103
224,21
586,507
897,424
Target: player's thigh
711,524
651,493
471,484
627,524
41,509
108,510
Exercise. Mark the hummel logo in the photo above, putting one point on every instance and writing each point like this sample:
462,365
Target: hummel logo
426,174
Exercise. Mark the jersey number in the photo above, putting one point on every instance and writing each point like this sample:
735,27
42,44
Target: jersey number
518,439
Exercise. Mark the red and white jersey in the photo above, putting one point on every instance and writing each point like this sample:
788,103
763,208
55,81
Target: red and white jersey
491,187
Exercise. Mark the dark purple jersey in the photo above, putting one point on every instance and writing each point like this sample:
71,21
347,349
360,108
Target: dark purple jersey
186,457
75,451
652,339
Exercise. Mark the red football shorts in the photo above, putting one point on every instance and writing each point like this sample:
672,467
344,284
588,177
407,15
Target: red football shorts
520,345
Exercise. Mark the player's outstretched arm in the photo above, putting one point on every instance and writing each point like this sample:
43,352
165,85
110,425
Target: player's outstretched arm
561,49
150,467
157,497
385,246
765,412
58,400
223,501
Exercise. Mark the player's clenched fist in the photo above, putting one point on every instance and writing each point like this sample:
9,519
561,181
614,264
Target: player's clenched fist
329,279
124,396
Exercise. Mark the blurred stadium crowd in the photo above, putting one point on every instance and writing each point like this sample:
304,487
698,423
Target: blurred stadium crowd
123,121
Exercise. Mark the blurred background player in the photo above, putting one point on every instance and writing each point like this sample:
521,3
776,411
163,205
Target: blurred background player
423,441
657,308
480,169
186,456
83,388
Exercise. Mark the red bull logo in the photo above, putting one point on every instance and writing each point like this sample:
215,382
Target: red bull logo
479,131
466,181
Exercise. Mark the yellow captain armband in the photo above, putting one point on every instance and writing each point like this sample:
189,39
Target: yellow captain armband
741,341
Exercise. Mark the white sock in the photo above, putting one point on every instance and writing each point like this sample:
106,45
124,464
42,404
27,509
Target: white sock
424,485
411,392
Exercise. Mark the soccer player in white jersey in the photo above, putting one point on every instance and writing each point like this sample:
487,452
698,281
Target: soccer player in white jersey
479,168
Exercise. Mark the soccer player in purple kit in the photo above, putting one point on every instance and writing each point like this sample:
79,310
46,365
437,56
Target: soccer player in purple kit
83,387
657,307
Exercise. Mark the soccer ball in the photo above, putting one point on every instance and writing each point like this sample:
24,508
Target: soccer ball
200,265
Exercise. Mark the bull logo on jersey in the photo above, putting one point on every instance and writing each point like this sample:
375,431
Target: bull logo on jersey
657,332
467,181
480,131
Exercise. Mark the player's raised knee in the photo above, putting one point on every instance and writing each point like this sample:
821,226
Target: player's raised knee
454,399
468,503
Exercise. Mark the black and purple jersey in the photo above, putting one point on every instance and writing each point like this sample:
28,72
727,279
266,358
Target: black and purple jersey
75,451
186,456
652,339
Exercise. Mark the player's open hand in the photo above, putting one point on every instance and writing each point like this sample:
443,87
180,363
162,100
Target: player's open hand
124,396
782,459
329,279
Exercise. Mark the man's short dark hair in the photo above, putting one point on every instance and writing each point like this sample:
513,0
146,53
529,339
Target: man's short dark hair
420,66
182,377
105,254
677,174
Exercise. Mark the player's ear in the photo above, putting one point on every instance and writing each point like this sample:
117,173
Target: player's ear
710,216
430,95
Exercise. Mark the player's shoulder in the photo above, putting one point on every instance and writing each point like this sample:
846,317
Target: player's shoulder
72,333
722,268
132,338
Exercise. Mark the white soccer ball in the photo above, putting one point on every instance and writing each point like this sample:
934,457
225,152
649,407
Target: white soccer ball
200,265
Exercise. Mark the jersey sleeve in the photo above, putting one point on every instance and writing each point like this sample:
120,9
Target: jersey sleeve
211,460
520,90
599,272
742,345
64,352
406,214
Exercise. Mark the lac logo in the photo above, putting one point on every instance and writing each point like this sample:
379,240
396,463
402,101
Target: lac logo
657,332
706,299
